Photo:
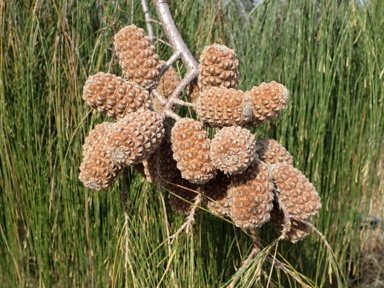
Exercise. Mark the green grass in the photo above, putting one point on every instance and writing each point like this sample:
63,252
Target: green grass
54,232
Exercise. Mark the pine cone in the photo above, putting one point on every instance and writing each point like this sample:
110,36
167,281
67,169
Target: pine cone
272,152
135,137
233,149
98,171
168,82
113,96
269,100
137,56
161,166
218,68
182,196
298,230
216,192
190,146
193,91
252,196
295,192
220,107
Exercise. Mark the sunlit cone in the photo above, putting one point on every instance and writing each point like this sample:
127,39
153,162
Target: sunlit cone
135,137
182,195
216,191
298,230
190,146
233,149
96,137
218,68
271,152
137,56
295,192
252,196
98,171
113,96
220,107
269,100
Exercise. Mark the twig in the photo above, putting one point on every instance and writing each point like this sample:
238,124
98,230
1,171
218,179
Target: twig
282,267
123,198
255,250
179,46
190,219
147,16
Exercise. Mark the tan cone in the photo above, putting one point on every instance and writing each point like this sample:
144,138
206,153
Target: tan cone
113,96
190,146
137,56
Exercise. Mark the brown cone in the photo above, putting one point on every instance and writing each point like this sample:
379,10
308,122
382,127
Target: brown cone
137,56
98,171
218,68
216,191
295,192
233,149
135,137
113,96
190,146
269,100
298,230
182,196
252,196
161,166
272,152
218,107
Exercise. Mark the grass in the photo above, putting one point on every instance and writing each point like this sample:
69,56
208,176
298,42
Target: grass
54,232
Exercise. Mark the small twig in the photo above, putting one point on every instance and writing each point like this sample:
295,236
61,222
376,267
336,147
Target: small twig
190,219
124,197
100,13
169,113
147,16
282,267
179,46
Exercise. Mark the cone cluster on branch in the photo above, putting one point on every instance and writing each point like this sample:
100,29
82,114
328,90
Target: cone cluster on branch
250,181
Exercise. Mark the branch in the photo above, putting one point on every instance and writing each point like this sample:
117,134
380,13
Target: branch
179,48
148,20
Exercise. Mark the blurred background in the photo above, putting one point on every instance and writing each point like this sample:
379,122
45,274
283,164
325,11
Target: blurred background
56,233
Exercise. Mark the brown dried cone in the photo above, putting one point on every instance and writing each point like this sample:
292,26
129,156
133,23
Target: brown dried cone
272,152
294,191
252,196
269,100
161,166
218,68
167,84
216,191
183,194
113,96
220,107
298,230
137,56
98,171
135,137
193,91
190,146
233,149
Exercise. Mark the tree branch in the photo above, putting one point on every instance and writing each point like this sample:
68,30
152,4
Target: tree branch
179,48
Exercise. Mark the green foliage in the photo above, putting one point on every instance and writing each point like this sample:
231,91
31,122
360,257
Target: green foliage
54,232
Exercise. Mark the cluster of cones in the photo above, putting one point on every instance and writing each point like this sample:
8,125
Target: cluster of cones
251,181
